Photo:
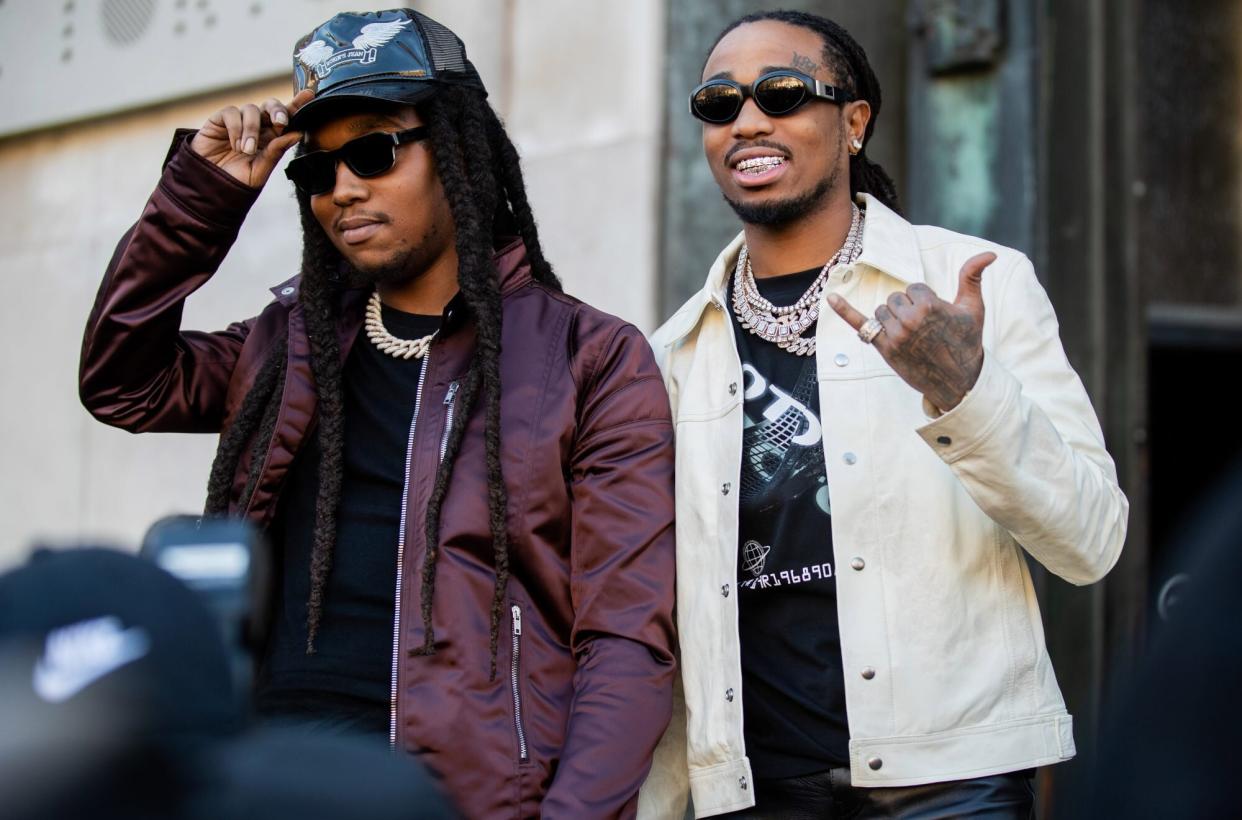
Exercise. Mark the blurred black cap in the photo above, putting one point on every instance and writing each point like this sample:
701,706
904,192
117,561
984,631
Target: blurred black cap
92,636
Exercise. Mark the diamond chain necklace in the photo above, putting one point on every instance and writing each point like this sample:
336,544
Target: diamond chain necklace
784,325
388,343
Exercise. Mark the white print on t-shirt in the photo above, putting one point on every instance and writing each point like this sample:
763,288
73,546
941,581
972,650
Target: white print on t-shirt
815,572
754,556
754,386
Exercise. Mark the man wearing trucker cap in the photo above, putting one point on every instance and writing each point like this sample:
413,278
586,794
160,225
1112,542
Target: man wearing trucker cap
466,474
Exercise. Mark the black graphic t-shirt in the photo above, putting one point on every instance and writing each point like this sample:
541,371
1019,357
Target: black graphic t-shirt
793,691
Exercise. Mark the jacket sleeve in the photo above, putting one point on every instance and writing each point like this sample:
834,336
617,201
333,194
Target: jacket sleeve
666,793
1026,443
622,584
138,370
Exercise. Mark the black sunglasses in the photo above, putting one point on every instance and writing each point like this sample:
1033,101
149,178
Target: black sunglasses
777,93
368,156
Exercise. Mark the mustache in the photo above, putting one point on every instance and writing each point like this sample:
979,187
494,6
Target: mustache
742,146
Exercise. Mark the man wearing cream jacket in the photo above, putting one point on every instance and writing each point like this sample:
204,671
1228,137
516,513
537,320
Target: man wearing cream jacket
874,422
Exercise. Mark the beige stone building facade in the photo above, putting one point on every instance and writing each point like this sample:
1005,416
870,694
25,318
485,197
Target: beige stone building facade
578,83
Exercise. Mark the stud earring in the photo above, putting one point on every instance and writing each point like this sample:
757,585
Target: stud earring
856,145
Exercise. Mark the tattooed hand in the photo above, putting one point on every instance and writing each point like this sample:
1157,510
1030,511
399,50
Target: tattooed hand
936,346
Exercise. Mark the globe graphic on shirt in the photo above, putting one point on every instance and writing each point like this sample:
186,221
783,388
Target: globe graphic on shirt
754,555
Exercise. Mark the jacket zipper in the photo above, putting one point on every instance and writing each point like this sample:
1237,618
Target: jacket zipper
449,399
405,497
513,680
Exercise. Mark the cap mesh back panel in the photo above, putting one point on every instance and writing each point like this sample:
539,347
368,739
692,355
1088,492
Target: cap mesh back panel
446,53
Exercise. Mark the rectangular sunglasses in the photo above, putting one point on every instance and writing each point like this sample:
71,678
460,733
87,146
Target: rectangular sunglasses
315,172
777,93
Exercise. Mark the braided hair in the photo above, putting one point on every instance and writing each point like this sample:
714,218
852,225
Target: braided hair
481,175
851,70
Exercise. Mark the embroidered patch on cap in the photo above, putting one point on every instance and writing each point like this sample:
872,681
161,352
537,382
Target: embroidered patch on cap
321,58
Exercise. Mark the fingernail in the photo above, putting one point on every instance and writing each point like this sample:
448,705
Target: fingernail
281,117
249,146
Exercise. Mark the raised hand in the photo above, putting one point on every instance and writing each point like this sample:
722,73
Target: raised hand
249,141
934,345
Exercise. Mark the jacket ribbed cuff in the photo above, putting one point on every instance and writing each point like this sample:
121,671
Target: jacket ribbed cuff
203,188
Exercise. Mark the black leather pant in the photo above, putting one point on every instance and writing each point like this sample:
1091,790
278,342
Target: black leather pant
829,796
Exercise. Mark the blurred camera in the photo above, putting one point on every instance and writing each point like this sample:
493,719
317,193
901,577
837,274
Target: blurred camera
225,561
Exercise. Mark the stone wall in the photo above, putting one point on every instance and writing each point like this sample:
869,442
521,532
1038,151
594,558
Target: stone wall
579,85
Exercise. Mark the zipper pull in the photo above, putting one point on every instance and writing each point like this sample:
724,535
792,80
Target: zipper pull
517,619
452,391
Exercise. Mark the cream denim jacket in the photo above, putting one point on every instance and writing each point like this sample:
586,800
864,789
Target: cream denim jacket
946,672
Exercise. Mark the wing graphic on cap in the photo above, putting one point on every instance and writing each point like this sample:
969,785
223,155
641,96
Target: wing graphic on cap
315,53
373,35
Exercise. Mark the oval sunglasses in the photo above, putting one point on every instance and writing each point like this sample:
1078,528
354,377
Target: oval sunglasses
367,156
777,93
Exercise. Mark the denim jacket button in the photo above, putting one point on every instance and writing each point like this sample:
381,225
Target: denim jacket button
874,763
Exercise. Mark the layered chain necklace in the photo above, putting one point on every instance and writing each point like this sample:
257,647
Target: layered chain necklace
388,343
784,325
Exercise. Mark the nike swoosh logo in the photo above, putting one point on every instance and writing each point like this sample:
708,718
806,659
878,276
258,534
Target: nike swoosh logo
77,655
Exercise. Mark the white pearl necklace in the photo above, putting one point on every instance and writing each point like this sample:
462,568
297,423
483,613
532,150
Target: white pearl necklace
784,325
388,343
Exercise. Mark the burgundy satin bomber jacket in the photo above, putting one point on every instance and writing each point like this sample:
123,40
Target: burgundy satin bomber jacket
586,660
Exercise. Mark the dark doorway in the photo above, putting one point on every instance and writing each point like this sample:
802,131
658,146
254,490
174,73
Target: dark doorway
1193,431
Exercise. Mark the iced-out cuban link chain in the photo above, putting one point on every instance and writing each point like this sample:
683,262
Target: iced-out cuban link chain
388,343
784,326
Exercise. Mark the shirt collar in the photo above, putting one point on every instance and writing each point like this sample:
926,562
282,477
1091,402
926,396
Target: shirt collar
890,246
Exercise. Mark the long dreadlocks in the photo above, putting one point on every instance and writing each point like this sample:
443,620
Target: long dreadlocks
851,70
482,179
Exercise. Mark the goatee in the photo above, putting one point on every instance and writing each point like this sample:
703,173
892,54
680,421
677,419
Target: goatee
404,265
782,212
391,272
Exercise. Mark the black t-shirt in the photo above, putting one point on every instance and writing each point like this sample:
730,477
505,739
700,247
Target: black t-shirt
345,684
793,690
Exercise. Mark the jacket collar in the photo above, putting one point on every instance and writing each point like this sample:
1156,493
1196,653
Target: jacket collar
890,246
511,264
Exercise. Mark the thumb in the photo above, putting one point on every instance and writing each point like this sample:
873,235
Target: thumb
970,284
267,159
